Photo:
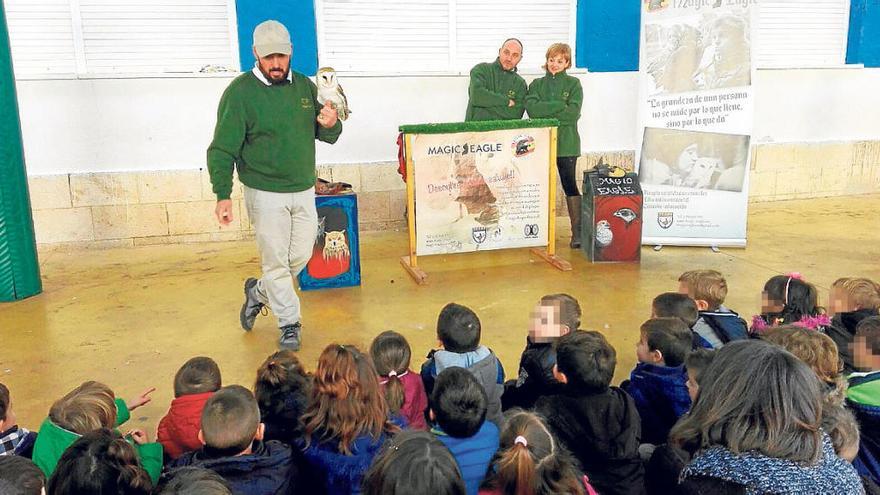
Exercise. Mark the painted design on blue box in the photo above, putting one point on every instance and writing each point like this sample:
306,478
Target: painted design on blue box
335,260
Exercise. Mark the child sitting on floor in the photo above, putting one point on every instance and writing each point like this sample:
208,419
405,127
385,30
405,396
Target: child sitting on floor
789,300
346,421
717,325
458,330
414,462
100,462
658,384
89,407
458,411
681,306
282,391
599,424
194,383
14,440
530,460
234,448
403,389
851,300
554,316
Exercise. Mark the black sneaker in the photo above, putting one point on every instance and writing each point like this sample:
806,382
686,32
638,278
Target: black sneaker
290,337
251,307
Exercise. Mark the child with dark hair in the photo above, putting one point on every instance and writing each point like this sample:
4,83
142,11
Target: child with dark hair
346,421
89,407
194,383
14,440
554,316
530,460
191,480
414,462
598,423
282,391
232,435
458,330
403,389
851,300
100,462
677,305
697,362
458,411
658,384
20,476
717,324
789,300
668,460
863,395
756,427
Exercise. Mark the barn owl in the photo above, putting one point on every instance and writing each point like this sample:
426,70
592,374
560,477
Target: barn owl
330,90
604,236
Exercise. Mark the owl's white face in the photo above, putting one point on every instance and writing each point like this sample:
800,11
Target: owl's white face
327,79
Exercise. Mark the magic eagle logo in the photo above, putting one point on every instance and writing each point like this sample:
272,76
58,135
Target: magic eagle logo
523,145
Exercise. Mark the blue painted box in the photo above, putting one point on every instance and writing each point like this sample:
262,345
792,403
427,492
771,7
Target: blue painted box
335,260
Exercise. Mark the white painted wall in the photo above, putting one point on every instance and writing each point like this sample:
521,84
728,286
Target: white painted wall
103,125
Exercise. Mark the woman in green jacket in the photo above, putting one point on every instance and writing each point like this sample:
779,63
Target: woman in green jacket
559,96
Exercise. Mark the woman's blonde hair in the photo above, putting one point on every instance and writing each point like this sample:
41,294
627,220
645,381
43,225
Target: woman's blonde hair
558,49
86,408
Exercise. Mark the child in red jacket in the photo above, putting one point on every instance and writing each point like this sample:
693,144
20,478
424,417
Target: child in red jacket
194,384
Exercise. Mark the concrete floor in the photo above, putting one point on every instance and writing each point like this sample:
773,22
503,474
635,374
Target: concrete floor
130,317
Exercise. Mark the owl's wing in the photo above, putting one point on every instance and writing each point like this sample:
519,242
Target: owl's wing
344,99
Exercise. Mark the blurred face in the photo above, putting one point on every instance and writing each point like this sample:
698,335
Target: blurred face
838,302
769,305
544,324
557,64
863,358
274,67
509,55
693,388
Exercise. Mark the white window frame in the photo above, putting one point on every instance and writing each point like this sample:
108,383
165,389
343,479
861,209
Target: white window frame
83,73
796,66
450,71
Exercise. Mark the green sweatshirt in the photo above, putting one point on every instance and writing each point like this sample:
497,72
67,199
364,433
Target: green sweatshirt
558,97
864,388
491,90
268,133
53,440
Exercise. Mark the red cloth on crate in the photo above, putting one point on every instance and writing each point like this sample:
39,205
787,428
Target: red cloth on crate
401,157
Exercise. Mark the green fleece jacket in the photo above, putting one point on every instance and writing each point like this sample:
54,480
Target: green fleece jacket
491,90
268,133
558,97
53,440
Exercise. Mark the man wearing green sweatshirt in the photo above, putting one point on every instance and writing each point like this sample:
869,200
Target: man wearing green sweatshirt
496,91
267,123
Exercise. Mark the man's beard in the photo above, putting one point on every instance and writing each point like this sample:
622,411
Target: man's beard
282,79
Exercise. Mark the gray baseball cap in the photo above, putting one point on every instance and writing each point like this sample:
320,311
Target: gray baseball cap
272,37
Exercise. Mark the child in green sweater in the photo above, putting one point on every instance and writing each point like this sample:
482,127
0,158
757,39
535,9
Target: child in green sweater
87,408
559,96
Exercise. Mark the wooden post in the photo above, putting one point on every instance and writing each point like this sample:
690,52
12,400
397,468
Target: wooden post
410,263
549,255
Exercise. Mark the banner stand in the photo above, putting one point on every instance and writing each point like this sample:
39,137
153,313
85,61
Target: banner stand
546,253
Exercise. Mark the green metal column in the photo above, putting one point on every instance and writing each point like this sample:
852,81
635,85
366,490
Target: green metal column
19,268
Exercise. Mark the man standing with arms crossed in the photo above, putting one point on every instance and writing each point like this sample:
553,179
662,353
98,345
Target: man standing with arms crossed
267,123
496,91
